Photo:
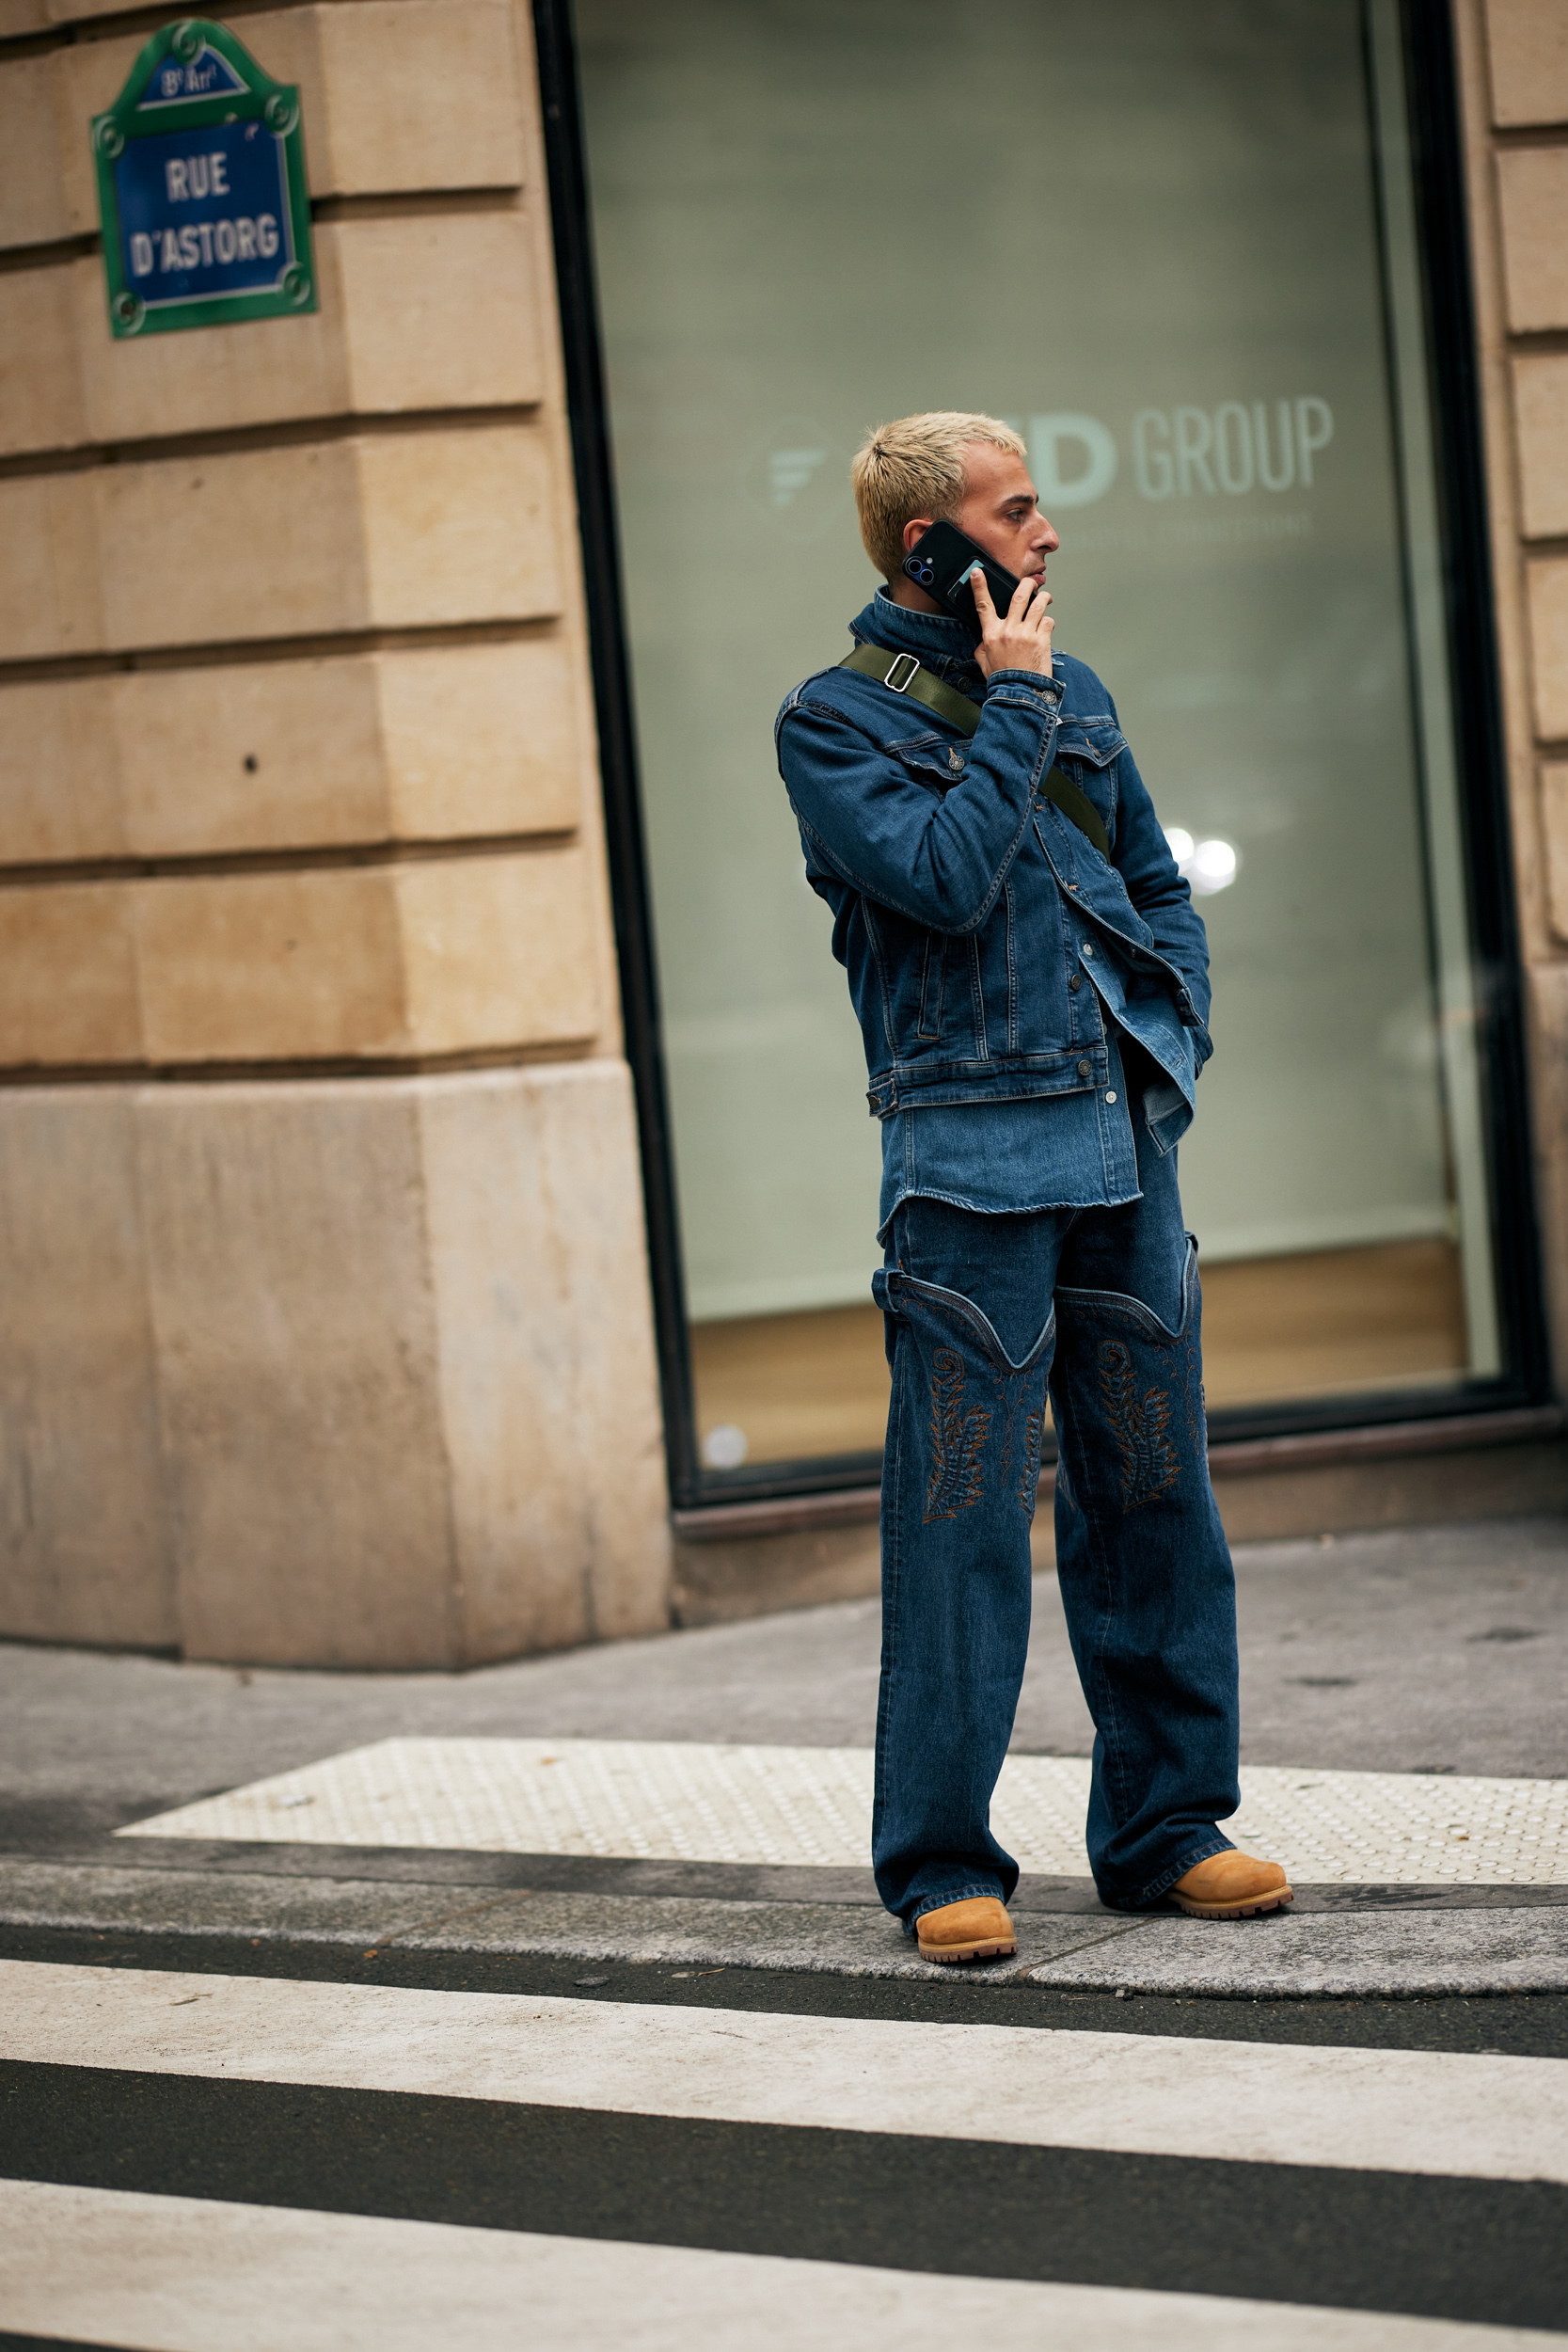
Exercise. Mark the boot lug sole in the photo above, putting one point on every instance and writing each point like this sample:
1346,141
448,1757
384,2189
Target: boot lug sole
990,1948
1280,1901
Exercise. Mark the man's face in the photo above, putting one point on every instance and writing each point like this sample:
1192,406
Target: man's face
1000,513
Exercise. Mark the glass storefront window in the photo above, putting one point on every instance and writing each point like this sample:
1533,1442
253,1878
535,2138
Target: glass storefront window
1174,242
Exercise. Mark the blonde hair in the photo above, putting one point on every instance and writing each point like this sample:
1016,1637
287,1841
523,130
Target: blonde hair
916,467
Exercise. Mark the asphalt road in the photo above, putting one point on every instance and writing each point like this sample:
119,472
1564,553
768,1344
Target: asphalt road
151,2133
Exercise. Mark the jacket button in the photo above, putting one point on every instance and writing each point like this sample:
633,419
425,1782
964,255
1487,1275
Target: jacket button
1076,982
1085,1070
1088,947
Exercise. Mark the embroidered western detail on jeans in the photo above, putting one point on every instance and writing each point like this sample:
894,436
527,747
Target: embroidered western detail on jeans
958,1440
1028,1485
1148,1463
1012,1398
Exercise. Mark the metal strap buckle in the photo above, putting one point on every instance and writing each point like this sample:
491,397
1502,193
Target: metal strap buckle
900,684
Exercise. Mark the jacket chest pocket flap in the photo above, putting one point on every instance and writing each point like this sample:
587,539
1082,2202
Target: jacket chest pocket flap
932,760
1088,744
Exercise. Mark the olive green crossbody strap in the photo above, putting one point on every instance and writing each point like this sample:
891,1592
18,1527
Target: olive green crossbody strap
1078,805
905,675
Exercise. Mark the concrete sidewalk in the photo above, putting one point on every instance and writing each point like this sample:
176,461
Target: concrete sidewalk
1420,1653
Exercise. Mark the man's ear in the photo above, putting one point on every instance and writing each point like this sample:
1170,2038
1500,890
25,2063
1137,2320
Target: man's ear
915,531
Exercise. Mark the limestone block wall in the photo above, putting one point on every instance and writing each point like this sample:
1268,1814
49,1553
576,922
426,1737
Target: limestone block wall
1514,72
325,1328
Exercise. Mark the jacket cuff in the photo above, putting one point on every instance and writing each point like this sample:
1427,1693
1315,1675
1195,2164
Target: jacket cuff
1048,688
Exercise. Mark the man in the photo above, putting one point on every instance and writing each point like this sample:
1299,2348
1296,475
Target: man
1032,983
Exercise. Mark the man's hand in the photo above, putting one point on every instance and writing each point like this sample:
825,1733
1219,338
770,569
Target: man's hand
1018,639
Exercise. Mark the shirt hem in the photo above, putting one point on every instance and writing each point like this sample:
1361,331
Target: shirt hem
994,1208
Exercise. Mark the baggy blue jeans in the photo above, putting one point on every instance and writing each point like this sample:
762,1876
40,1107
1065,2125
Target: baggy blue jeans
984,1312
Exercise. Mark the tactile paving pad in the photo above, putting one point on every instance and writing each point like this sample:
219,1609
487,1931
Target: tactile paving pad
681,1802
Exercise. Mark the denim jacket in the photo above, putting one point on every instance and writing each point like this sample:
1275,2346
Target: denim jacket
985,938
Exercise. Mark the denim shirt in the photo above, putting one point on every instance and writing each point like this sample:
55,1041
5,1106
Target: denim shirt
993,953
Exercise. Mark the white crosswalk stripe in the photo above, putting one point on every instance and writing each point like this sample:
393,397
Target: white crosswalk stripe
625,2160
1396,2110
173,2274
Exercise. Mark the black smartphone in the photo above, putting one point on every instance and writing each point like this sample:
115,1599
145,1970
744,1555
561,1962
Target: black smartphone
940,561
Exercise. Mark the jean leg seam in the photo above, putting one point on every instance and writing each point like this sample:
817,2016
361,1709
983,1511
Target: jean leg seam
1083,1493
892,1549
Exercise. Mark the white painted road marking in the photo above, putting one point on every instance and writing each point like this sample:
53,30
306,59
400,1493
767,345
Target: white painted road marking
1385,2110
680,1800
176,2274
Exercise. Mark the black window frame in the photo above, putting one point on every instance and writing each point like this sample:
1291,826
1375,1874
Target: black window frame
1454,375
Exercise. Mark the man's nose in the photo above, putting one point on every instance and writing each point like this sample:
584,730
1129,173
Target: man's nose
1049,539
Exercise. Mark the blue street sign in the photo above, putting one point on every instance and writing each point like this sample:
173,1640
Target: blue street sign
201,187
204,213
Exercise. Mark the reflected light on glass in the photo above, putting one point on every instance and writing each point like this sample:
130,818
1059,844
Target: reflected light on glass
725,1447
1209,866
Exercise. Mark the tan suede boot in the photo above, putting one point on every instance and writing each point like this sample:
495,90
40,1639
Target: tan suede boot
1232,1887
976,1930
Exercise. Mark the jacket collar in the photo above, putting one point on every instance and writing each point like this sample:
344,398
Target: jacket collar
941,643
